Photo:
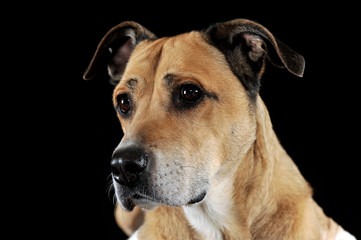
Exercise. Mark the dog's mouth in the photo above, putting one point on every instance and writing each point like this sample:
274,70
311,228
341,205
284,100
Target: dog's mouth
149,203
145,202
199,198
141,200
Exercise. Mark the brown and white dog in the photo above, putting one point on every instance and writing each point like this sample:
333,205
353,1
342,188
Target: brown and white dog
199,153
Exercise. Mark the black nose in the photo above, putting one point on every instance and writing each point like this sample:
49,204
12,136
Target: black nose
128,164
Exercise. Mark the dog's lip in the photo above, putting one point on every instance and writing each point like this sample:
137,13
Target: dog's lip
198,198
140,196
137,199
145,202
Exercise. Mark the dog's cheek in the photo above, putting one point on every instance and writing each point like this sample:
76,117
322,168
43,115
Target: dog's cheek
166,176
240,140
179,177
238,130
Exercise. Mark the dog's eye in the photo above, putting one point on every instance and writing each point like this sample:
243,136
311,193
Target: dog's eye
190,93
124,103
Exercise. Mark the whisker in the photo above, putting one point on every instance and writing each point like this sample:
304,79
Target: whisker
110,189
109,177
110,192
114,199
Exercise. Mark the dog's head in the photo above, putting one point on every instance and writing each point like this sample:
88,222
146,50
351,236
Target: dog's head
186,105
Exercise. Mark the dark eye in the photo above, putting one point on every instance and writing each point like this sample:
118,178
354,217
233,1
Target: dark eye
190,93
124,103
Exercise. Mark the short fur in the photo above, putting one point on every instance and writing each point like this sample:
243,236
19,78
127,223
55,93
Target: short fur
224,147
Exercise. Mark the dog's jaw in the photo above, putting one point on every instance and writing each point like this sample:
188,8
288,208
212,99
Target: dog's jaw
146,204
128,200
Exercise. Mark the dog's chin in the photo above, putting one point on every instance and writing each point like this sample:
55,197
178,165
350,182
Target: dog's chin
147,203
144,202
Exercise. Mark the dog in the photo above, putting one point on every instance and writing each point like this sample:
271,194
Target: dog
199,158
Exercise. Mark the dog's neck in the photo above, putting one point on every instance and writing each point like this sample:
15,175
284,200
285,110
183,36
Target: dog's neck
215,215
244,199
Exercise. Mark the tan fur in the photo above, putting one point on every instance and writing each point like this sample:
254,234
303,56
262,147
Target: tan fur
129,222
270,198
157,227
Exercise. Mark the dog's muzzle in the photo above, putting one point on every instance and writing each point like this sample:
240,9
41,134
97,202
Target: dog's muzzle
139,180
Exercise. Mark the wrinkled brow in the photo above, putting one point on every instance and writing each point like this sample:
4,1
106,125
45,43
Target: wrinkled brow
131,83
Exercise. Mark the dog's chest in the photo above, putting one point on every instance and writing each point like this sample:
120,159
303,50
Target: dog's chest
211,217
203,221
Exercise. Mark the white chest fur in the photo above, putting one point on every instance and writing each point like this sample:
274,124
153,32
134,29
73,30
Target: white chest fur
343,235
200,219
210,217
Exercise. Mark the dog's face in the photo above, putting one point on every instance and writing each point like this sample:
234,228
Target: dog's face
187,108
179,102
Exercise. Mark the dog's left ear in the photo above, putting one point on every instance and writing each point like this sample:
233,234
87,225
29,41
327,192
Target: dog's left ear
115,49
246,45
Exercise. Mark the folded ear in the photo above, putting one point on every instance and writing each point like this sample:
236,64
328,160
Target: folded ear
246,45
115,49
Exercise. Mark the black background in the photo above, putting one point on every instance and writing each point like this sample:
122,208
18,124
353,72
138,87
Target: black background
72,129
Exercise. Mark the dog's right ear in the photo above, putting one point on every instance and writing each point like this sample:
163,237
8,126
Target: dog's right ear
115,49
246,45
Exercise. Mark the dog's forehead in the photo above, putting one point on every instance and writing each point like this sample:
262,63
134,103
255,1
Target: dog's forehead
187,54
